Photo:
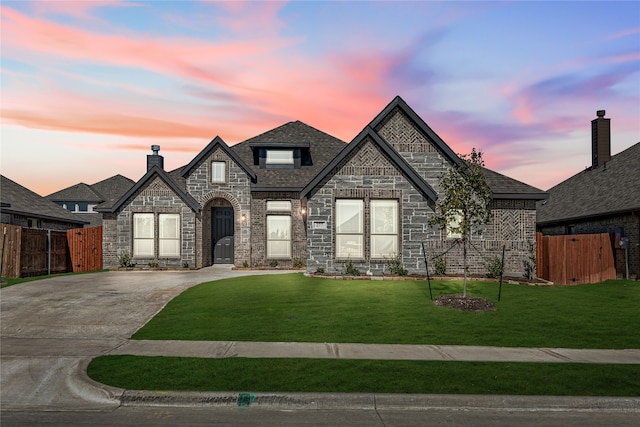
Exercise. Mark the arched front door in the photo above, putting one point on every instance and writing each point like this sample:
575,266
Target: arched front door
222,229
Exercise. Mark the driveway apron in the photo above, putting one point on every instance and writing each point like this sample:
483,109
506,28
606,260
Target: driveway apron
52,328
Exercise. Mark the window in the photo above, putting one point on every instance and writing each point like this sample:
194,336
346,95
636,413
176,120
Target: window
83,207
70,206
169,235
279,157
143,241
218,172
282,206
384,228
452,224
349,228
278,236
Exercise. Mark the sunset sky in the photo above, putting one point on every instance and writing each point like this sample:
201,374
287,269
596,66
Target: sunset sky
88,86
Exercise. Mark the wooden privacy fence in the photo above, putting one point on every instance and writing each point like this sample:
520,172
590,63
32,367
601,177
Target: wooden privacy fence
85,249
34,252
575,259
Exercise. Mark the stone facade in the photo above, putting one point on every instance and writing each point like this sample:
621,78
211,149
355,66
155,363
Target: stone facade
397,159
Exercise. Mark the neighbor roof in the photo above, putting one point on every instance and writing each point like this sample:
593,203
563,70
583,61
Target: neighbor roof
609,189
17,199
107,189
503,187
323,148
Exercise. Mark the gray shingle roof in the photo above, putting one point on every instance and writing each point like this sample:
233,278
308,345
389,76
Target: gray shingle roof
107,189
609,189
503,187
323,148
21,200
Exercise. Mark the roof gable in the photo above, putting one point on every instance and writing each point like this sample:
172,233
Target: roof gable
151,174
433,137
218,142
356,145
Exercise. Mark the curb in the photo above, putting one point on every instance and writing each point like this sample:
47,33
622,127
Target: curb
371,401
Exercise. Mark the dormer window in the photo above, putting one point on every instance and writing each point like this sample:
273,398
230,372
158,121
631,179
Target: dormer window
279,157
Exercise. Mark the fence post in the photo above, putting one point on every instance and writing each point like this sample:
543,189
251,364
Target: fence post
49,252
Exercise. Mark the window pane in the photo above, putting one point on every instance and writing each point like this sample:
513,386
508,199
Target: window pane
279,157
143,247
71,206
169,226
453,223
218,172
384,246
279,249
384,216
83,206
278,227
349,246
143,225
169,248
279,205
278,236
349,214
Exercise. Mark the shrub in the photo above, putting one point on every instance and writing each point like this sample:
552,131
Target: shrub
394,265
273,263
124,259
350,268
495,267
298,263
153,264
440,264
245,264
185,265
320,270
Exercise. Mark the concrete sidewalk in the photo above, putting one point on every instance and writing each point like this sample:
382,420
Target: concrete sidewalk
224,349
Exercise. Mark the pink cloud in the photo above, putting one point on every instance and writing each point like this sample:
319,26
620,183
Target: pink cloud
77,9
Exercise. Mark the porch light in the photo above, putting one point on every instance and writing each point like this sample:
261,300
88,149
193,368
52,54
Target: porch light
243,218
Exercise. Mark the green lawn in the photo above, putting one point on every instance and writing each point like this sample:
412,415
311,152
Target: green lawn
365,376
292,307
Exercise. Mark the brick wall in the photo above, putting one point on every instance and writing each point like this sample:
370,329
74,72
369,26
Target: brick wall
236,192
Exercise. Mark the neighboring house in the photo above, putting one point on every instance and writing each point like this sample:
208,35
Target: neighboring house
21,206
295,195
604,198
82,199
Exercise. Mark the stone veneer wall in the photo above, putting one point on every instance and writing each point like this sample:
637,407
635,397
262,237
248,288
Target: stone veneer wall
236,190
259,229
369,174
155,198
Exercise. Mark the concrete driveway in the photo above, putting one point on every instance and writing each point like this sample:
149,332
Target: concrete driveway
52,328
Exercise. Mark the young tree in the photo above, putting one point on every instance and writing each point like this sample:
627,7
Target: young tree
464,204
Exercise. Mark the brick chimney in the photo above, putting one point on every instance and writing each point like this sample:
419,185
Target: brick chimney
600,140
155,159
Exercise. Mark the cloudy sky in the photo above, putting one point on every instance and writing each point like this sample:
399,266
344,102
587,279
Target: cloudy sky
88,86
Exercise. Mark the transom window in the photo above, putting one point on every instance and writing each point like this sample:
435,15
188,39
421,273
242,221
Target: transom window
218,172
279,157
279,205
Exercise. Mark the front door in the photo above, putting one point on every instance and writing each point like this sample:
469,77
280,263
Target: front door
222,235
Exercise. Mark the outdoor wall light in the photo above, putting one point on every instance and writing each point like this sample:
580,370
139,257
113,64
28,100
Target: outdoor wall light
243,218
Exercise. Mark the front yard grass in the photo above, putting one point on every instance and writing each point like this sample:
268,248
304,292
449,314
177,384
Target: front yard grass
292,307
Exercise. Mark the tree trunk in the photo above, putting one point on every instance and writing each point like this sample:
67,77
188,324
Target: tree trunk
464,257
